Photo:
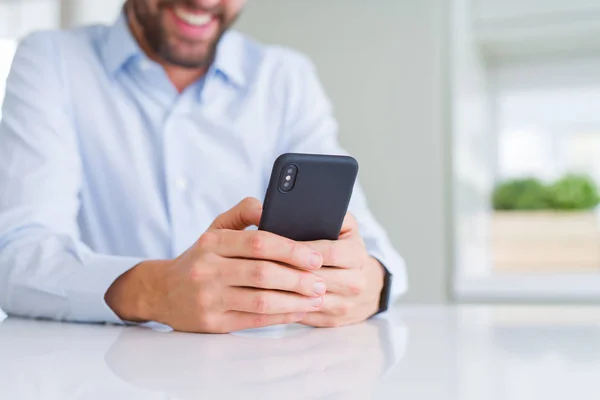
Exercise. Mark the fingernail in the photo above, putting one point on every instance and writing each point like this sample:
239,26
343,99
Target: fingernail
314,260
319,288
317,302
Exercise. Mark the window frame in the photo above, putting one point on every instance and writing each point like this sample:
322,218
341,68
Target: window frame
479,283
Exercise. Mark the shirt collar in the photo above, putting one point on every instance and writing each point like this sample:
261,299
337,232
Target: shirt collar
229,58
120,47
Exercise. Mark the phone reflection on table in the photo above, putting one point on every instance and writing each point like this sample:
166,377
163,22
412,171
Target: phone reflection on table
297,363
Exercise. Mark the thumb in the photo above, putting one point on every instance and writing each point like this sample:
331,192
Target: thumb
246,213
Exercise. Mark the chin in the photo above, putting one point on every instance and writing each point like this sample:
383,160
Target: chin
188,63
189,58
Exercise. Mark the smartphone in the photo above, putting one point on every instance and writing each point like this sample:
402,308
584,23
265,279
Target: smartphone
308,196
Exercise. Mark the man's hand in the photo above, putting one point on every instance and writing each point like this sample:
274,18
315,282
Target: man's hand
231,279
354,279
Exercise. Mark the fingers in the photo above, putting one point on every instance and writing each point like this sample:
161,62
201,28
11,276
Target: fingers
350,224
237,321
345,282
260,245
339,253
246,213
321,320
270,302
270,275
324,320
347,252
338,311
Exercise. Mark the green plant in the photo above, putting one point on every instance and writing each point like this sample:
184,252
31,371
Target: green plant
574,192
521,194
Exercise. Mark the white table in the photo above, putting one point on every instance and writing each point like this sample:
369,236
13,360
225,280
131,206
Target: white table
470,352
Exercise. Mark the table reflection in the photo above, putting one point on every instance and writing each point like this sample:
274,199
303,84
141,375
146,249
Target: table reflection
573,343
530,353
292,363
47,360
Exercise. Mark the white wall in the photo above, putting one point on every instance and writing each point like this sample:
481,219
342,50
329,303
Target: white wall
82,12
7,51
18,18
382,63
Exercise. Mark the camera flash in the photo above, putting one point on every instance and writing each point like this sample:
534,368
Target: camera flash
288,178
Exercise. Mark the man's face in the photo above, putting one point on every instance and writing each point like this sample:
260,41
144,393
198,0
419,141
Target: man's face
185,32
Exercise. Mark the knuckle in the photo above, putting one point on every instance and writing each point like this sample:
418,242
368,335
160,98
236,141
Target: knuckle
256,243
196,274
208,239
357,287
260,320
261,304
202,268
260,272
342,310
208,322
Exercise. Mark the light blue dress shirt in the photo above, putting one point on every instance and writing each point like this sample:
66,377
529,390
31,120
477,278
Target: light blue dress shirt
103,164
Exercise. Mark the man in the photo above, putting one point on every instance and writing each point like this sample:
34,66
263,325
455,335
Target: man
121,149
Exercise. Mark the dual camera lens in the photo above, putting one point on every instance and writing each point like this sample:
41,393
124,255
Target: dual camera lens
288,178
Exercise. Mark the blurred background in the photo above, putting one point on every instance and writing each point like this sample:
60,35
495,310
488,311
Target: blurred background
476,123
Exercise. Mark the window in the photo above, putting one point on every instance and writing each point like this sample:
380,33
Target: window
526,161
18,19
548,120
548,130
7,51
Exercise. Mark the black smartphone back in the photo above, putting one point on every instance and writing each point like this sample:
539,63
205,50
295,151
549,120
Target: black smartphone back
308,196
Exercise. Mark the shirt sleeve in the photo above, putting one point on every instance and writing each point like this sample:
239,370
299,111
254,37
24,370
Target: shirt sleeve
45,270
310,127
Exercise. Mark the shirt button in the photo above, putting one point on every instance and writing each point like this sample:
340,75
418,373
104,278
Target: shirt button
181,184
144,65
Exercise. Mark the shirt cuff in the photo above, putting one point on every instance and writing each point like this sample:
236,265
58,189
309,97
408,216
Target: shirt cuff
395,266
86,289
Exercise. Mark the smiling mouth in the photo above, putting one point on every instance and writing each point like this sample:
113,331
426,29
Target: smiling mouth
195,19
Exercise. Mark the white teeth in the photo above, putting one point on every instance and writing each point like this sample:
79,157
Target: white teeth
193,19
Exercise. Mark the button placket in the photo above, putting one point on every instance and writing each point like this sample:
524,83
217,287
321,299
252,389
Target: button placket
179,183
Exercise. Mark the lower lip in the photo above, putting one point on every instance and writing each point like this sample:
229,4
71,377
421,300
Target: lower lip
194,32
